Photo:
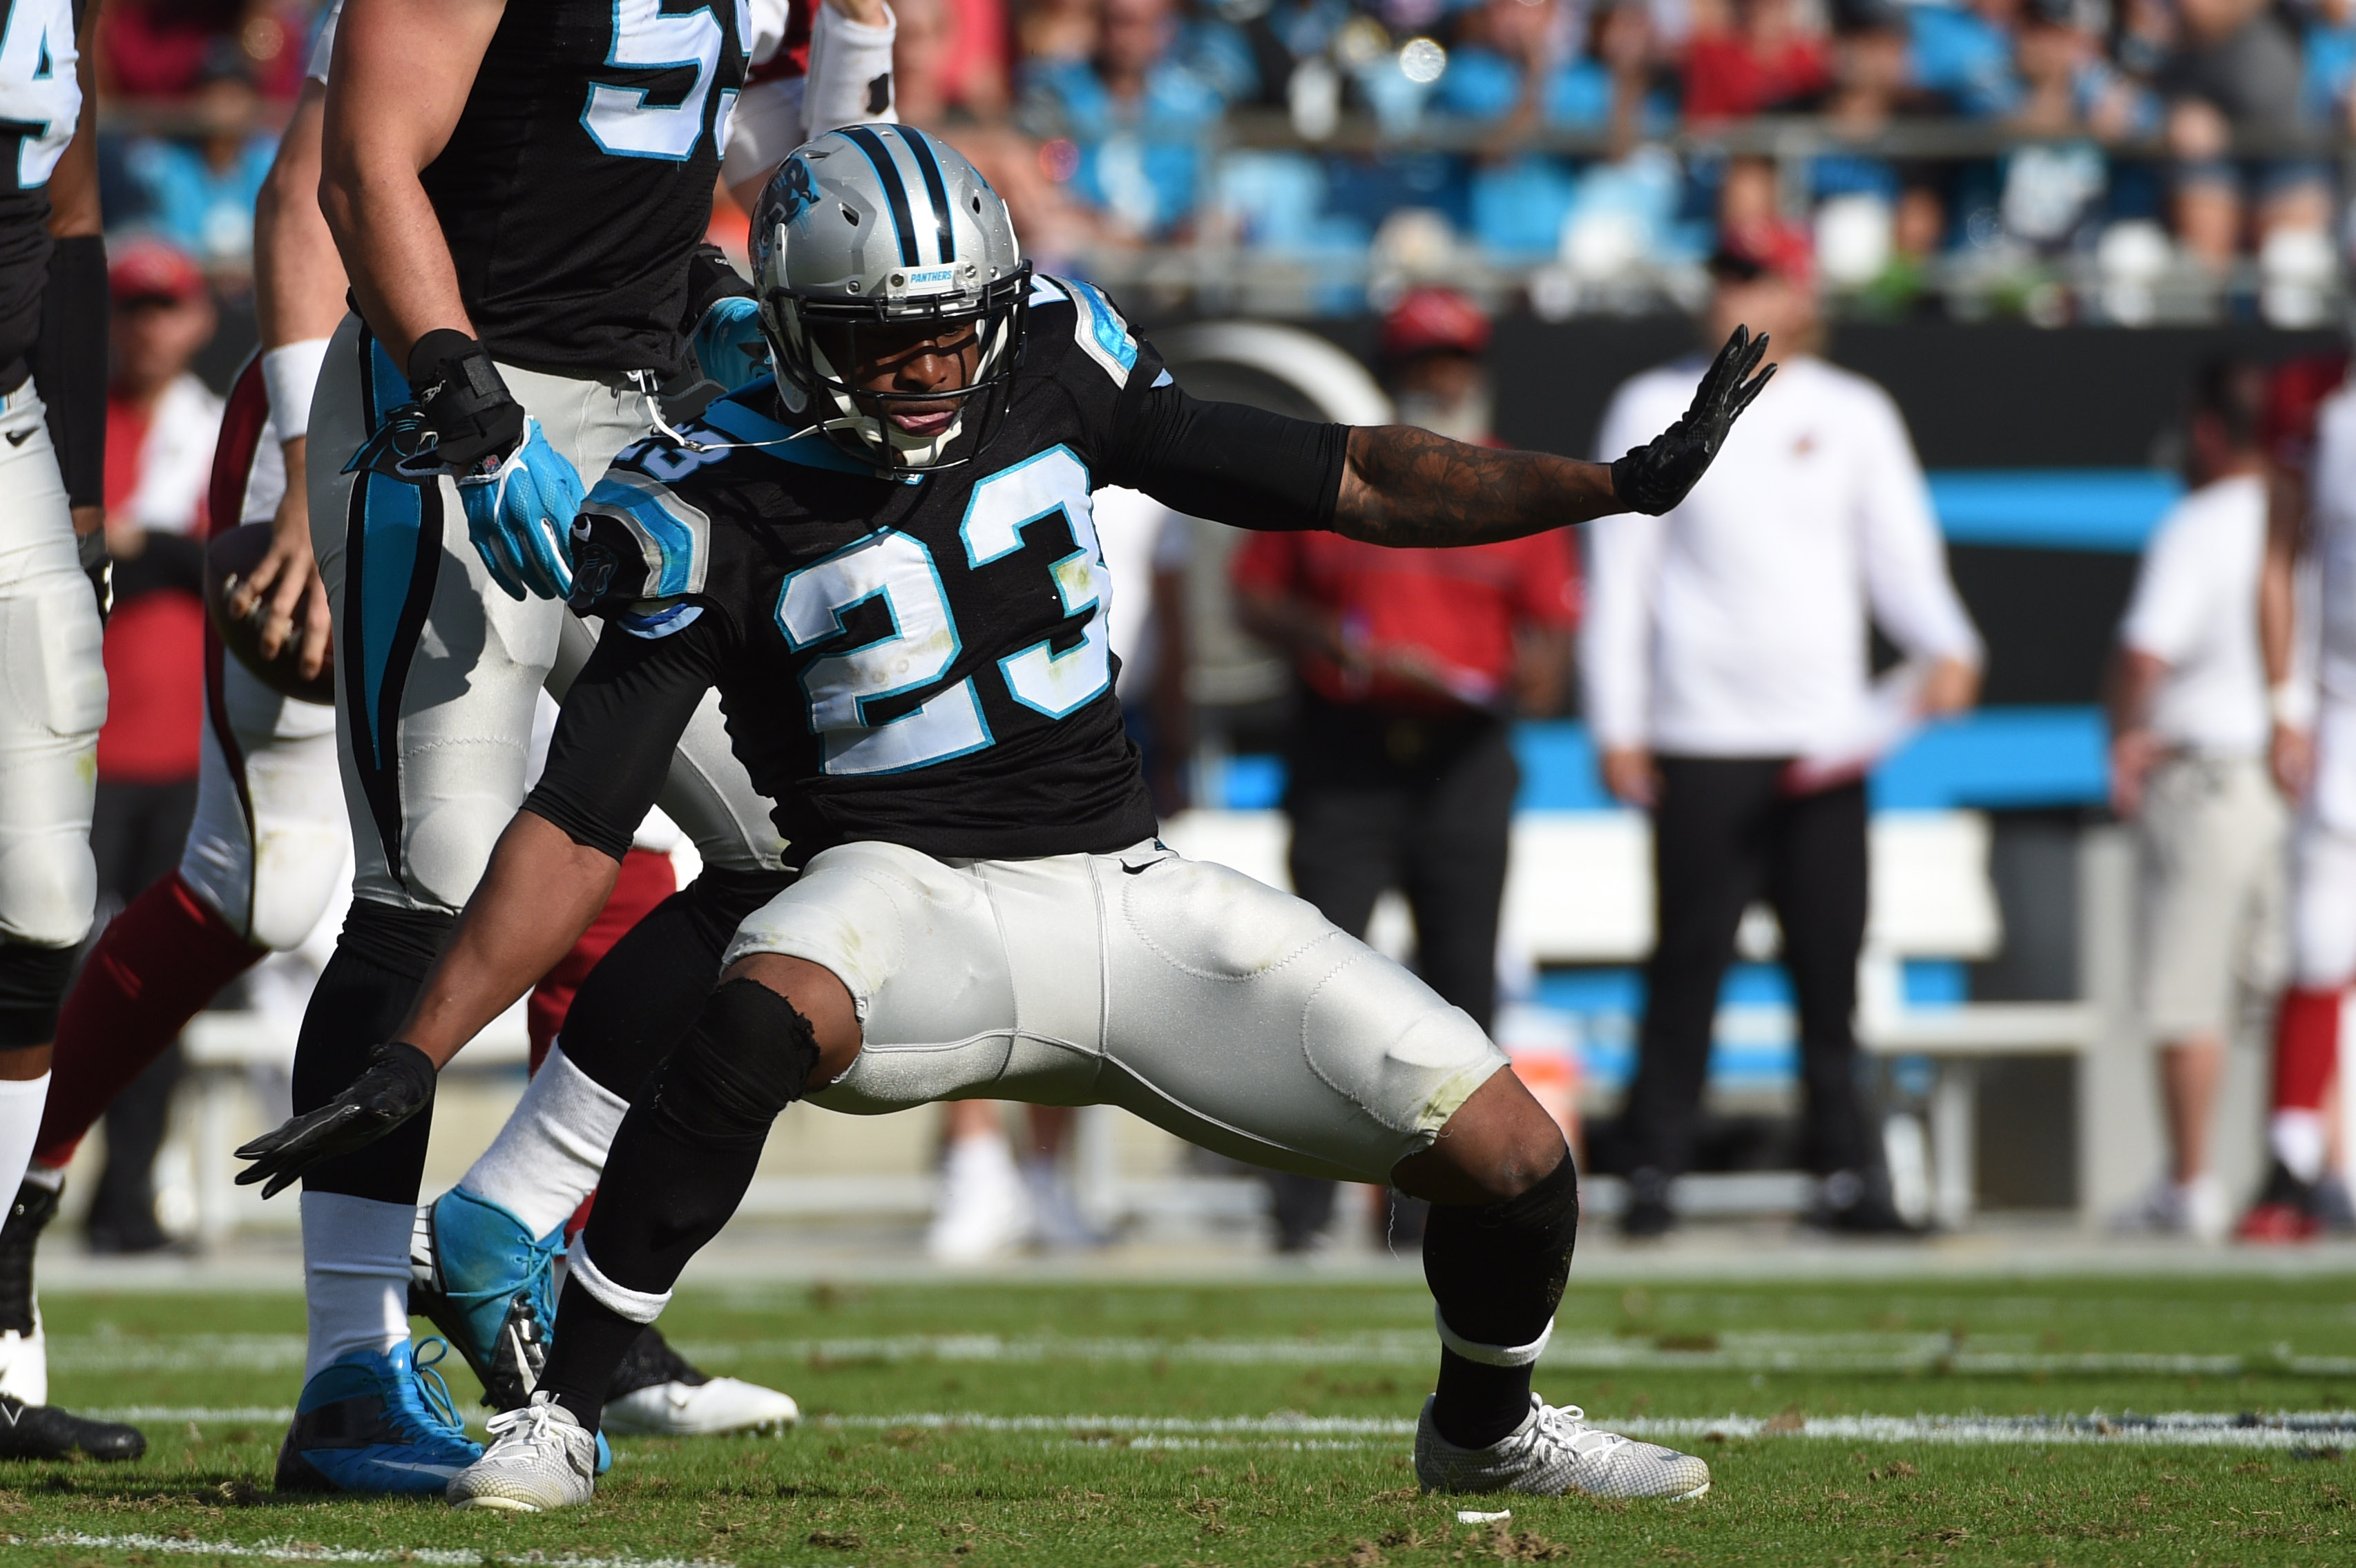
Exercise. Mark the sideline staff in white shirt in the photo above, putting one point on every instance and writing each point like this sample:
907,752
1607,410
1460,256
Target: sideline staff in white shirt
2189,724
1724,641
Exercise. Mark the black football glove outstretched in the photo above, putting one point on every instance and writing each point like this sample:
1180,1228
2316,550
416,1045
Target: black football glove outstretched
398,1084
1654,477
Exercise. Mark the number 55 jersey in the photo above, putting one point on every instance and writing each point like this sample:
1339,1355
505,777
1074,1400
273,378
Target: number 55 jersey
914,658
579,177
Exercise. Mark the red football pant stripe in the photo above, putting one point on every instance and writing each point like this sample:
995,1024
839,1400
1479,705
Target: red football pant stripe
156,967
2307,1048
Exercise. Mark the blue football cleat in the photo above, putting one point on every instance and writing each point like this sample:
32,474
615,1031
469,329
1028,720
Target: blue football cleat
376,1422
488,1284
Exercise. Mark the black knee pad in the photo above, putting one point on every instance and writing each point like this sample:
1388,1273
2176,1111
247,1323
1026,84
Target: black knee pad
1497,1272
749,1056
32,989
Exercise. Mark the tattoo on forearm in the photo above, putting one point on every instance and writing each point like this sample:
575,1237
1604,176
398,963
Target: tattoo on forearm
1405,487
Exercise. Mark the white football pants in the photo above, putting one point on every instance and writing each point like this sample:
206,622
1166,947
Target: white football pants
1209,1004
56,681
438,670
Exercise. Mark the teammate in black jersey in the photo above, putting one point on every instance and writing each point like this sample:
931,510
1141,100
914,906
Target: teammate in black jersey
884,564
517,193
53,305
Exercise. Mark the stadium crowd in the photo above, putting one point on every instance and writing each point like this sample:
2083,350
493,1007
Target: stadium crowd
1997,139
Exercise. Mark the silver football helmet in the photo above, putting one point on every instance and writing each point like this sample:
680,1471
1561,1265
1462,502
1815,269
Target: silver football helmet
877,227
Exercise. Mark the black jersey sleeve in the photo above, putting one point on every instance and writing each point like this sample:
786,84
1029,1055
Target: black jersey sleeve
1226,461
619,725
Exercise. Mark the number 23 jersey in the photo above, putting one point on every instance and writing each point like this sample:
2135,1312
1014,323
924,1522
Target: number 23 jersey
916,659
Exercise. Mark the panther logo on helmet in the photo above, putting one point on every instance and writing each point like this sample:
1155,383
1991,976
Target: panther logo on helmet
878,229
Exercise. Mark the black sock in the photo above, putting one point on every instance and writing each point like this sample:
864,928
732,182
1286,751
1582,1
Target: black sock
680,1164
1498,1274
379,962
594,1336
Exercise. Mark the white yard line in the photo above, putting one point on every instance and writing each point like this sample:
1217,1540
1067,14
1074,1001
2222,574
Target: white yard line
2191,1429
1992,1355
310,1551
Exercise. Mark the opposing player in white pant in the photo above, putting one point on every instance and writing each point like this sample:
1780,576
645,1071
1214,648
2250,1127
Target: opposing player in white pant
2313,530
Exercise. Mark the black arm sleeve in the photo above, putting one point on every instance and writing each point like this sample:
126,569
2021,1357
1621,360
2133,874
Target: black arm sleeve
1227,461
618,727
69,364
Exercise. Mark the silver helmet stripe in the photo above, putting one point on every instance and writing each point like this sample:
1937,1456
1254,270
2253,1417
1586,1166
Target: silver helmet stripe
896,190
935,191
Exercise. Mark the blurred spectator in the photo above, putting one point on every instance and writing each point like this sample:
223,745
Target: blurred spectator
2051,188
1725,656
2190,723
2067,84
165,49
930,32
1056,32
1751,57
161,422
973,75
1412,663
2235,70
199,195
1520,63
2328,46
1133,118
1964,53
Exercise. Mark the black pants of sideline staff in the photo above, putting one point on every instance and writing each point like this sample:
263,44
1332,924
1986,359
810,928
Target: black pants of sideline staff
1724,835
1423,803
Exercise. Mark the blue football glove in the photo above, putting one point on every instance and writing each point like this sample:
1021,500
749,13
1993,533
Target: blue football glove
520,515
728,345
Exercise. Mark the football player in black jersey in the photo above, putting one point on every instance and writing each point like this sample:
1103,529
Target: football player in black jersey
883,563
517,194
53,356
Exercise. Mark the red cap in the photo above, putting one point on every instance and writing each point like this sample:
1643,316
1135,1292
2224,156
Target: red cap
1427,319
150,269
1762,250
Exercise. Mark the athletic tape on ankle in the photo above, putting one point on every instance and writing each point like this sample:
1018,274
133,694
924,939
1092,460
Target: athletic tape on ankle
1487,1355
638,1306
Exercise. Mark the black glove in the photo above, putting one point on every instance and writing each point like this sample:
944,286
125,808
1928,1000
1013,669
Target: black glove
398,1084
1656,476
467,403
98,567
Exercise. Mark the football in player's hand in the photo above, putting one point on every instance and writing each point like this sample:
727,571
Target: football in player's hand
228,561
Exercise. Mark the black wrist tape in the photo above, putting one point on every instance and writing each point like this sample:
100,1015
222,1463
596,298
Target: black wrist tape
69,364
466,402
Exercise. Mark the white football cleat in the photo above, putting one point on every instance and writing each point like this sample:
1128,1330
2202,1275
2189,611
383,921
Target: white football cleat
1553,1452
981,1210
540,1458
657,1393
702,1410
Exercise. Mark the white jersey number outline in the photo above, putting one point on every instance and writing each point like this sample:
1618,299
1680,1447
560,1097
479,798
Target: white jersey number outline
924,643
40,98
648,37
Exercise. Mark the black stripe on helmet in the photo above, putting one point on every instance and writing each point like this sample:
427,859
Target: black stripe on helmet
934,187
896,191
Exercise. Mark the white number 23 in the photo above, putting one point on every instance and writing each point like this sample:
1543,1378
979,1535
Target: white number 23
924,643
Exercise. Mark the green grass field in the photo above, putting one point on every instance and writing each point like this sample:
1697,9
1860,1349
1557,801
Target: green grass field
1172,1424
